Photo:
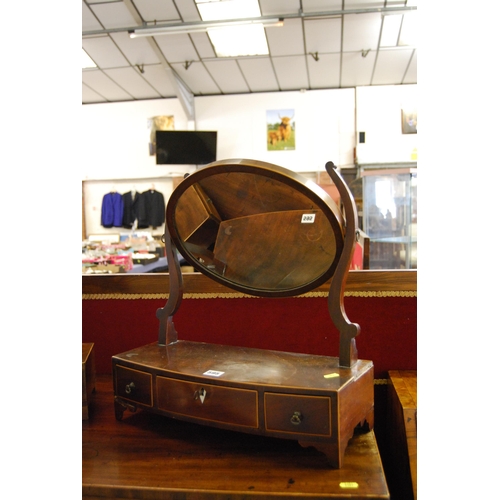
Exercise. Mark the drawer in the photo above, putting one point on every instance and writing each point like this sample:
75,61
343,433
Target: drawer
297,414
208,402
134,385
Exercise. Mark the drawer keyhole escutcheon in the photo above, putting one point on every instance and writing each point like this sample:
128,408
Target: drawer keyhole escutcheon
296,418
200,394
129,387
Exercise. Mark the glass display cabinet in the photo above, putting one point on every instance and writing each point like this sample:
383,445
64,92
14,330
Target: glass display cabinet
265,231
390,217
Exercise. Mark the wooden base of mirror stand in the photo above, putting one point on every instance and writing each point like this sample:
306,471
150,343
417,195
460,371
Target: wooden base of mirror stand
307,398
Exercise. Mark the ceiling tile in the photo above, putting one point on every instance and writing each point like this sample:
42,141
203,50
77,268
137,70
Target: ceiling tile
104,52
357,70
411,73
363,4
153,10
361,31
291,72
89,96
203,45
321,5
274,7
188,10
89,21
158,78
227,75
287,40
177,48
323,35
113,15
259,74
324,73
132,82
136,50
409,29
103,85
197,78
391,66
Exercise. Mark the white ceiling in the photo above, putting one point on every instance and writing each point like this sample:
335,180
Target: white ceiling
320,46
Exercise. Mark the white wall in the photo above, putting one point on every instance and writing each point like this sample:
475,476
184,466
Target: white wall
115,151
324,127
378,114
116,138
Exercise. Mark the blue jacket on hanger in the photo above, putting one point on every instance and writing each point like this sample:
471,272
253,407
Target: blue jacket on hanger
112,210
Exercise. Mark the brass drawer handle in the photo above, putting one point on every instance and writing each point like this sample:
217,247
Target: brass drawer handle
296,418
129,387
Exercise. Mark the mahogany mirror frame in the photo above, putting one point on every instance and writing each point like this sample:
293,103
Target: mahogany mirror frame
339,268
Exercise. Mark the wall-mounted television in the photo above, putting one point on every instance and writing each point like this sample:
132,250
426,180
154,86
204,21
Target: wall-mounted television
178,147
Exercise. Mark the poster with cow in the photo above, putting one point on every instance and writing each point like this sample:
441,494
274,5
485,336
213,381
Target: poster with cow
280,129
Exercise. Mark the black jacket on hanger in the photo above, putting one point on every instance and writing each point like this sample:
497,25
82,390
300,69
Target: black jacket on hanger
151,209
130,208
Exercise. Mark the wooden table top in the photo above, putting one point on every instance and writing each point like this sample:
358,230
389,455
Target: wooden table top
405,388
148,456
405,384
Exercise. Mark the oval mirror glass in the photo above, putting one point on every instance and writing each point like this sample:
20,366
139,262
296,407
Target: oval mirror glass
256,227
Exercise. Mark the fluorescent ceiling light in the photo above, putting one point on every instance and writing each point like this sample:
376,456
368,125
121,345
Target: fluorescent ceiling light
235,27
239,41
390,30
202,26
87,61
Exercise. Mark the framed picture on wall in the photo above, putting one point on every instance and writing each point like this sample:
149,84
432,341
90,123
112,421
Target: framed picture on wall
158,123
409,121
280,129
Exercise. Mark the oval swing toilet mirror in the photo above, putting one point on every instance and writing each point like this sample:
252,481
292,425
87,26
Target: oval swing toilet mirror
256,227
265,231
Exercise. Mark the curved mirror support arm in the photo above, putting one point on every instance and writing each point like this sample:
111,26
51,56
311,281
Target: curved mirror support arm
348,354
167,333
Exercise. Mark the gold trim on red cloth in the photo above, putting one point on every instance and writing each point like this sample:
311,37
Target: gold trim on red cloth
236,295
